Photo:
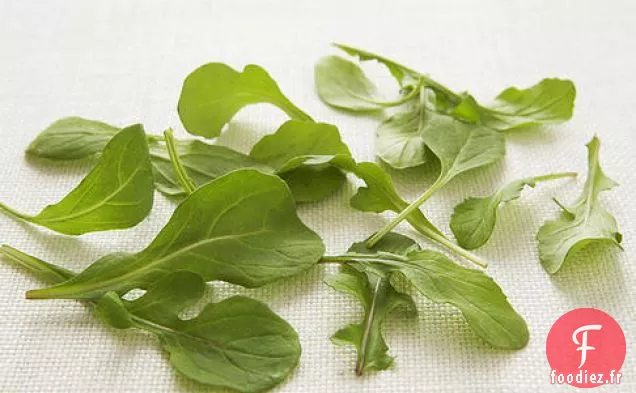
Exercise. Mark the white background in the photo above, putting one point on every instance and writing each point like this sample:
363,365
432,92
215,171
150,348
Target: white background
124,62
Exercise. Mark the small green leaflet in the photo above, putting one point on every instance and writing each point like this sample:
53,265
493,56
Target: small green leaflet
380,195
297,139
477,296
71,138
300,153
342,84
399,140
459,147
213,93
241,228
238,343
583,223
378,297
550,101
117,194
473,220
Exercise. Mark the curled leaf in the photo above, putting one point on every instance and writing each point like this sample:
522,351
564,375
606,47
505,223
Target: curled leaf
213,93
583,223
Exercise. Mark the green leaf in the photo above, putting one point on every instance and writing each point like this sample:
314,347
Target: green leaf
402,74
309,178
342,84
310,184
473,220
301,152
241,228
213,93
380,195
298,139
116,194
584,223
550,101
477,296
481,301
203,162
378,297
399,140
238,343
459,147
112,311
71,138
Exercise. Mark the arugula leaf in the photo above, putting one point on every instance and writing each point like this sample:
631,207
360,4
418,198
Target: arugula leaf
473,220
308,178
399,140
342,84
380,195
71,138
298,139
550,101
241,228
238,343
310,184
459,147
116,194
583,223
402,74
378,298
203,162
477,296
300,153
213,93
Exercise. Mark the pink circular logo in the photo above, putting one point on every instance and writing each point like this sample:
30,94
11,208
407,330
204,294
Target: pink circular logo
586,348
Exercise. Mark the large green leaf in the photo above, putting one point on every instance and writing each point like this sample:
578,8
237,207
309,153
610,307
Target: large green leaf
585,222
238,343
241,228
116,194
477,296
213,93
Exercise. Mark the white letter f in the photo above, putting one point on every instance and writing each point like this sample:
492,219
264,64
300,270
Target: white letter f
584,347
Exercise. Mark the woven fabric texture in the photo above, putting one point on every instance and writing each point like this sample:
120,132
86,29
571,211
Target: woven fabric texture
123,62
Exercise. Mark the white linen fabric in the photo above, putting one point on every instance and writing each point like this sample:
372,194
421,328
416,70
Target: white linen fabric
123,62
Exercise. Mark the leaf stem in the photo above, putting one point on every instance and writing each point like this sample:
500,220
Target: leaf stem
424,78
187,183
554,176
414,91
43,270
14,213
294,112
373,240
